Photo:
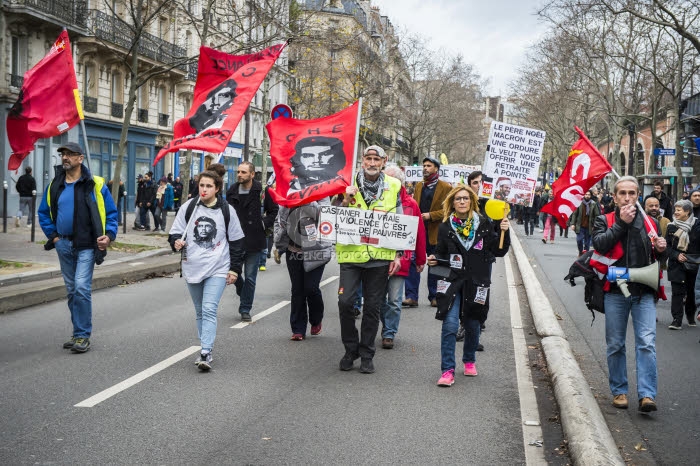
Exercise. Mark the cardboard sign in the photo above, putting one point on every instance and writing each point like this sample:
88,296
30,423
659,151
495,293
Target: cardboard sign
512,162
346,225
457,173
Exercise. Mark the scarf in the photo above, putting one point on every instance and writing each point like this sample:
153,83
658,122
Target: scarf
369,189
684,227
587,204
465,229
431,180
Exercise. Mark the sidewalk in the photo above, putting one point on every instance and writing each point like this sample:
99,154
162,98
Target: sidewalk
40,280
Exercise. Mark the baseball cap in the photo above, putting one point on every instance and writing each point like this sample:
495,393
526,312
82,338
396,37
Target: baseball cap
71,146
432,160
380,152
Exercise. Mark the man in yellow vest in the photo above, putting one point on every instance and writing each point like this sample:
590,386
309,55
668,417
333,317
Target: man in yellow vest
365,265
79,218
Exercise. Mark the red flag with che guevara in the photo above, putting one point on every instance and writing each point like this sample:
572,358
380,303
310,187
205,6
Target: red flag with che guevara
585,167
225,86
312,159
48,103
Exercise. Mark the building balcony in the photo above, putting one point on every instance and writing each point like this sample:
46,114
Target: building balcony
112,29
192,72
90,104
143,115
117,110
62,12
163,119
16,80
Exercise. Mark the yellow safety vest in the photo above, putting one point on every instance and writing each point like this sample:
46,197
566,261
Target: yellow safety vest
358,254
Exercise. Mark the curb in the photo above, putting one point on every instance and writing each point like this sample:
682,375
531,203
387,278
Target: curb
590,440
32,293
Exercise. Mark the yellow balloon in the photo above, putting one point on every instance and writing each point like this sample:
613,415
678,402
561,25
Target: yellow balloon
496,209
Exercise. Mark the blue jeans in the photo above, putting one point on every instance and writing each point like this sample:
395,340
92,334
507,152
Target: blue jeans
77,266
390,312
583,240
413,279
617,312
448,340
206,296
251,262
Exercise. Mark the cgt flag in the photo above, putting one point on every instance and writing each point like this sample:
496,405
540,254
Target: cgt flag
225,86
585,166
48,103
312,159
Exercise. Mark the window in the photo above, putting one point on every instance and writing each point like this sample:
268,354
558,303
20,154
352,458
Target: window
94,146
19,58
162,100
163,29
188,43
117,88
142,152
90,81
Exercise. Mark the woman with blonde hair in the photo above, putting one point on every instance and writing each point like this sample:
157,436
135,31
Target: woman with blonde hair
468,243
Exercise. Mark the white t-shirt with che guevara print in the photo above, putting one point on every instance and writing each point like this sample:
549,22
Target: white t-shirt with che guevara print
207,248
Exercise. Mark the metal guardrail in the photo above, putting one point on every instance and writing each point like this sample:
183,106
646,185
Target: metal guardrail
72,12
143,115
90,104
16,80
163,119
117,110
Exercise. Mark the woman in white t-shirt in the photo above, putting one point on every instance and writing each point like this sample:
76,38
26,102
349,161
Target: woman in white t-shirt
213,255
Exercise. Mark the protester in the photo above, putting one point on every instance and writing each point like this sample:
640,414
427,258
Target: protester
306,257
26,185
429,194
211,260
683,239
257,213
582,219
79,218
177,193
530,216
468,243
145,199
651,207
390,313
623,239
137,209
543,201
550,224
695,199
164,202
364,265
121,193
665,202
269,234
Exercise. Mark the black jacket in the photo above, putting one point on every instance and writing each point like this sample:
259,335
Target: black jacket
25,185
146,193
676,270
475,270
250,214
665,204
636,246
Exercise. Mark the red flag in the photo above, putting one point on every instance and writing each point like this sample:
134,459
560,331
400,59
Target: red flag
584,168
48,102
312,159
225,86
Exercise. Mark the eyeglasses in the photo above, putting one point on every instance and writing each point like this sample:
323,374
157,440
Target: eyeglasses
462,199
70,154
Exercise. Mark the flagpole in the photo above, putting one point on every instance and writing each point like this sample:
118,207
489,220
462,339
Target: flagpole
357,141
85,143
640,208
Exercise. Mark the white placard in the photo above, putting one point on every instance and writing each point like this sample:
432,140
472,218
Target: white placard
512,162
455,173
346,225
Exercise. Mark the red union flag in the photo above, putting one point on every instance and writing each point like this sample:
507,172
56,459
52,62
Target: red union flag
584,168
312,159
48,102
225,86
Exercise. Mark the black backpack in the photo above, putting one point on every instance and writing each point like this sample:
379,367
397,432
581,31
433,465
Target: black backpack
593,293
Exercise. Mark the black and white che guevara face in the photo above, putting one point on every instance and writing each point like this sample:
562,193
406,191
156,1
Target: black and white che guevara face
210,113
317,159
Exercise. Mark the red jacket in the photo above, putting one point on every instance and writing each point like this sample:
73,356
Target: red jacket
410,207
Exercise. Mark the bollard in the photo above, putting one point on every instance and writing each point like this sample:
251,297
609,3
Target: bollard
33,217
124,215
4,206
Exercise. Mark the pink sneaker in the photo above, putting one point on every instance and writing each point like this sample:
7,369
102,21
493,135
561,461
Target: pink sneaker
316,329
470,369
447,379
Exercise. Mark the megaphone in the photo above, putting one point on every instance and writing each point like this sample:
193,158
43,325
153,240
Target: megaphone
648,276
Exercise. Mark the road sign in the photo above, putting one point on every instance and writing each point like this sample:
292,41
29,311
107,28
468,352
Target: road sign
664,151
671,171
281,111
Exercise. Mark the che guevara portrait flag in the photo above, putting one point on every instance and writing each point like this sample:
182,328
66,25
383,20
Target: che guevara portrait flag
48,103
225,86
312,159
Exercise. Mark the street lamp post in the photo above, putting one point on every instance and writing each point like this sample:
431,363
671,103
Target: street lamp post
4,206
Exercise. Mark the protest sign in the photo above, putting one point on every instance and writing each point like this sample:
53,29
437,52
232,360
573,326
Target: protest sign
455,173
345,225
512,161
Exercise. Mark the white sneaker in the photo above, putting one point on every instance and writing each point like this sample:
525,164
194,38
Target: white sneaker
16,222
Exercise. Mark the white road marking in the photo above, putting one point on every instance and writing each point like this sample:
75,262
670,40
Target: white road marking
134,264
530,415
279,306
131,381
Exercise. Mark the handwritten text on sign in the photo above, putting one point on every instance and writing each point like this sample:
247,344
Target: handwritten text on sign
450,173
345,225
512,162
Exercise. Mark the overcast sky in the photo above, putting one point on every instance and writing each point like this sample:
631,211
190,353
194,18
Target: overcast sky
493,35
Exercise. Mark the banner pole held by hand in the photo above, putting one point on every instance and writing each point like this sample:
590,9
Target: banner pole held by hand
503,233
